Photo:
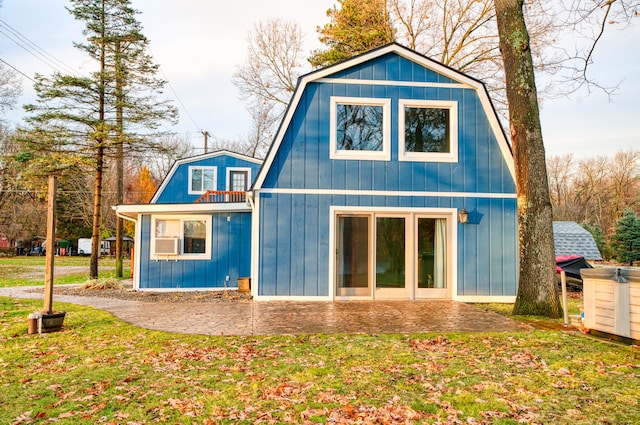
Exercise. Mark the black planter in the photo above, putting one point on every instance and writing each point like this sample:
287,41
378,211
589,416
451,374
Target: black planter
53,322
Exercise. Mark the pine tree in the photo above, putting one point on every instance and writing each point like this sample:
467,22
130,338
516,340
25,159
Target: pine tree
84,119
626,239
356,27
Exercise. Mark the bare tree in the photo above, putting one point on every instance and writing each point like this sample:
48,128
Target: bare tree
268,77
463,35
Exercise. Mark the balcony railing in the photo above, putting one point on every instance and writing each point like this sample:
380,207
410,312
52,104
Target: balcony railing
222,197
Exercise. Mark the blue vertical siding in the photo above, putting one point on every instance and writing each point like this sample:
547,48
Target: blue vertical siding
231,256
294,255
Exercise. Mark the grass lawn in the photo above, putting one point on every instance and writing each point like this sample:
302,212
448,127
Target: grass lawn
99,369
28,271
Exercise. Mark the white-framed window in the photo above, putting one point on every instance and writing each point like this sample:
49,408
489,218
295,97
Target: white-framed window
202,179
181,237
238,179
360,128
428,130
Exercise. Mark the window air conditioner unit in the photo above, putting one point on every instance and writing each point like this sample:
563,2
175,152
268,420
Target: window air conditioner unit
168,246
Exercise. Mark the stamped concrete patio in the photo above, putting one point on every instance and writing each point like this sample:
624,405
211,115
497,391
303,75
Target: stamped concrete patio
288,317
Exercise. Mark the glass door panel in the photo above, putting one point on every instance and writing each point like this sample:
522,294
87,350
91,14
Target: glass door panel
353,267
391,261
431,257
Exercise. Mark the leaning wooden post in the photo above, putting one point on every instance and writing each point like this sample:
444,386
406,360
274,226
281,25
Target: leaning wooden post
51,245
565,307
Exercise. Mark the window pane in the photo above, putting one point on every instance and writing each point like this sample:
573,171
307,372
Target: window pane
353,253
359,127
195,237
208,180
196,180
426,129
390,252
167,228
238,181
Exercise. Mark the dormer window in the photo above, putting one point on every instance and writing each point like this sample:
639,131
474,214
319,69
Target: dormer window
202,179
428,131
360,128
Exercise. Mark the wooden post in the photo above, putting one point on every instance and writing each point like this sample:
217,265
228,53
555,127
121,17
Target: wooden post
51,245
565,308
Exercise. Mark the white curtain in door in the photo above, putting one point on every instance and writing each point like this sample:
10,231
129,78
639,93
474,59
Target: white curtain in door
440,254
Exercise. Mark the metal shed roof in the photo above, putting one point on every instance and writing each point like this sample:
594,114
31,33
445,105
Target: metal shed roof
572,239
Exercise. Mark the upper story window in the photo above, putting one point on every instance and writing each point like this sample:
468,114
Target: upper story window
360,128
238,179
202,179
187,237
428,130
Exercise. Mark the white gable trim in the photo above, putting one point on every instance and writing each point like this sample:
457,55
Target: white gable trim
394,83
183,161
407,54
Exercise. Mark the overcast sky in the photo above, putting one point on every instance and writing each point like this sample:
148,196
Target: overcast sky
199,43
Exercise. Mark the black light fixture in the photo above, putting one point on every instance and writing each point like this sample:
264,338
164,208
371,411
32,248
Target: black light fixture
463,216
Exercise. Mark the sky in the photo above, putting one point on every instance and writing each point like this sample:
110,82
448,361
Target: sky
199,43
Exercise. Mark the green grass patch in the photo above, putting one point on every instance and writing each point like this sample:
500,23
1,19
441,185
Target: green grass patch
101,370
29,271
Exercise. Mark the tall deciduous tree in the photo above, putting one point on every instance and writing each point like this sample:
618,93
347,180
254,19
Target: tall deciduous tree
356,27
268,78
537,293
84,118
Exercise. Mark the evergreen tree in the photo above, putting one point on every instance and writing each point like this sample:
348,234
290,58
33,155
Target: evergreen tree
598,238
626,239
84,119
356,27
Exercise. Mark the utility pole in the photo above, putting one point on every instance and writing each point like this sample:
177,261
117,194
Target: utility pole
206,135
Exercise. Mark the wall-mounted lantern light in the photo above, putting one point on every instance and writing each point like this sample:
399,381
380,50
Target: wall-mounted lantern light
463,216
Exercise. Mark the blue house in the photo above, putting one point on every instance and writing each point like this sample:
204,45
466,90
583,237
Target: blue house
195,234
360,195
389,178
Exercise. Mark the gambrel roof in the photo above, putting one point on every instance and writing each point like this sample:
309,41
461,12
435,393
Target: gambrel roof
339,73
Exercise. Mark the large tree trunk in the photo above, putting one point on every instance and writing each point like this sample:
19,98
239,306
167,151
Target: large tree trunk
537,293
97,205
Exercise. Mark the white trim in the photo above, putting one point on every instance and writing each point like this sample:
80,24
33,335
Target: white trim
409,55
255,246
394,83
202,168
182,218
228,177
402,193
382,155
507,299
452,155
137,264
180,162
132,210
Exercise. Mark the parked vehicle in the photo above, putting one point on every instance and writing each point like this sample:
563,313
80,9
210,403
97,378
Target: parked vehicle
84,246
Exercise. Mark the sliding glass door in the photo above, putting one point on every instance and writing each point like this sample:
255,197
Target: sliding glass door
353,264
391,256
431,257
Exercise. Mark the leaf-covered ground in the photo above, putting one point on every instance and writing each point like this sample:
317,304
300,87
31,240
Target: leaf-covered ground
101,370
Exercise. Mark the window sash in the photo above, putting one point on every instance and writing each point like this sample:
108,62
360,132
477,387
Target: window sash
360,128
193,232
436,141
202,179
